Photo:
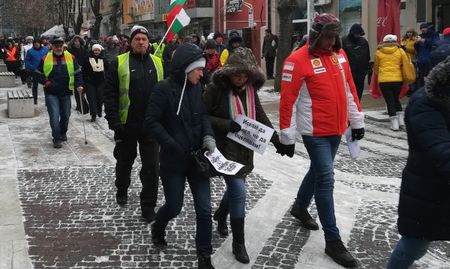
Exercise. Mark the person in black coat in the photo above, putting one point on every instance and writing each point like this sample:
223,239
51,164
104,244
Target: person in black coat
357,49
424,206
177,119
94,80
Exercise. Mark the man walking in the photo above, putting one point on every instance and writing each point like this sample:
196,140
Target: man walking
318,100
269,50
61,75
32,60
129,83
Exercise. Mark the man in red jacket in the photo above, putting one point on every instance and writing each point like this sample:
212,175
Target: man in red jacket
318,100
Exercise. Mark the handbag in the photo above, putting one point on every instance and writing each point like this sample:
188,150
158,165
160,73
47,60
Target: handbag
408,70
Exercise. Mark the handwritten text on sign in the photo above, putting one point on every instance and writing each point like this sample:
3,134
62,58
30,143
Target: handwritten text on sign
253,135
221,164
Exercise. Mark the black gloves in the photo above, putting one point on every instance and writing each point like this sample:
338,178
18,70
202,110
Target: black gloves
285,149
357,134
234,127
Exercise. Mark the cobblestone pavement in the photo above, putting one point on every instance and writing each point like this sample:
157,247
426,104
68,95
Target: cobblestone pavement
70,218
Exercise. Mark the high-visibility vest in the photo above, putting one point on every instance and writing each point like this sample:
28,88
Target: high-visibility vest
160,52
123,71
11,54
48,67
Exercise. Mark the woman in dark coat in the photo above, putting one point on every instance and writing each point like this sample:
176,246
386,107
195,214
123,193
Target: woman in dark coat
177,119
234,91
94,79
424,207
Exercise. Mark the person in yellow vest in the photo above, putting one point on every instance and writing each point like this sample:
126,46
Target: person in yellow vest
60,74
129,82
161,49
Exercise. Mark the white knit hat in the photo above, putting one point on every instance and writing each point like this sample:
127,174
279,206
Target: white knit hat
390,38
97,46
197,64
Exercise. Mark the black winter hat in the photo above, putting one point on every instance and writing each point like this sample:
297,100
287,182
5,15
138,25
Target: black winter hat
211,44
234,37
357,29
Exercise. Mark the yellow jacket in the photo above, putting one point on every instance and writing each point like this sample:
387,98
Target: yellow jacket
388,63
408,43
224,57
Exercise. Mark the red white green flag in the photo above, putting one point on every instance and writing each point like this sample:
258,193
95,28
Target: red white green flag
177,19
174,3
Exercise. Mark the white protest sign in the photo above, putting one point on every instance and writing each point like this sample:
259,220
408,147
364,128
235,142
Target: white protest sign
353,146
253,135
221,164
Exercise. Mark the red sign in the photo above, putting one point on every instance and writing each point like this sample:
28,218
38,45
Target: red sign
388,20
189,4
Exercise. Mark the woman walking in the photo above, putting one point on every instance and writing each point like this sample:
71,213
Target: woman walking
388,67
233,91
94,79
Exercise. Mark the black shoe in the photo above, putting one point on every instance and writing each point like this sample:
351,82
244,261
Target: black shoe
158,236
240,253
57,144
148,213
93,118
221,218
64,138
99,114
121,198
337,251
304,217
205,263
35,102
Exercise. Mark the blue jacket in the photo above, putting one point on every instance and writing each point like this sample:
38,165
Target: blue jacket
59,77
441,52
34,57
423,49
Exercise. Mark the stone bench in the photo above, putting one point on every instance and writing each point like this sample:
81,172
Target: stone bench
3,68
7,80
20,104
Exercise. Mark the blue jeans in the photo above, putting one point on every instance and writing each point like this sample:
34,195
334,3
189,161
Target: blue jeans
173,184
234,196
58,108
319,181
407,251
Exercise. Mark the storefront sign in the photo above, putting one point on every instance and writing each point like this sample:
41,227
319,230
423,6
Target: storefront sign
253,135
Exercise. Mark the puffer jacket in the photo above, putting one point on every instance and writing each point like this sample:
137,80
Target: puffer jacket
424,206
388,62
178,135
408,44
217,105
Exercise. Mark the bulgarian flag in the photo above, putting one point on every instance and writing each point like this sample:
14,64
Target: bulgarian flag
177,18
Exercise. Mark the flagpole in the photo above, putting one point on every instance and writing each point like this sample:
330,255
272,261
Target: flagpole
165,35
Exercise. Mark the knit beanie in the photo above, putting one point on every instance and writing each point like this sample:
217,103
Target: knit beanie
138,29
197,64
390,38
357,29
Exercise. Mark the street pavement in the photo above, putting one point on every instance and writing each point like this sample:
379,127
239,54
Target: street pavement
58,206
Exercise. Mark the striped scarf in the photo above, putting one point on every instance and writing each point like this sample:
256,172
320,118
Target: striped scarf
236,107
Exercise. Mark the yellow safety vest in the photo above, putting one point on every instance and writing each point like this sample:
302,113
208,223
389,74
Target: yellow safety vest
48,67
123,70
160,52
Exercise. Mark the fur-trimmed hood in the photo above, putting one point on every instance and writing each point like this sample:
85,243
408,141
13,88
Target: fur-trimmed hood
241,60
437,84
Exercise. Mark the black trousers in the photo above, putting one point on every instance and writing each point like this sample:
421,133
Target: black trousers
391,94
269,66
358,79
94,93
125,152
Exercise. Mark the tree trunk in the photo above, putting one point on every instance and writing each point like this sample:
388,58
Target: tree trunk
285,11
95,7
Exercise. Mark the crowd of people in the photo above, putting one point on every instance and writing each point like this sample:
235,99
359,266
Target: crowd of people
173,99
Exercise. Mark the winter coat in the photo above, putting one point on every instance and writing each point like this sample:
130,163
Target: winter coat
59,77
89,76
178,135
441,52
425,45
270,46
388,63
143,78
216,101
34,57
424,206
318,95
358,54
212,64
408,46
110,54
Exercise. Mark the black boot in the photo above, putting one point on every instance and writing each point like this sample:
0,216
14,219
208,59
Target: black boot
158,235
220,216
148,213
205,263
337,251
93,117
121,197
239,251
304,217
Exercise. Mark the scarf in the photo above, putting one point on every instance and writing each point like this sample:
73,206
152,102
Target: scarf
236,107
96,66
